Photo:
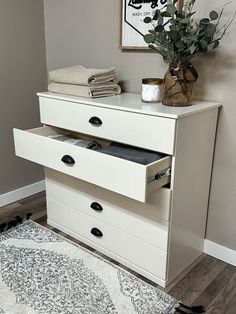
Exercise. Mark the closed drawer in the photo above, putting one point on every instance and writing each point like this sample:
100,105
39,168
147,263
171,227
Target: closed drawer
135,222
122,176
130,248
69,190
150,132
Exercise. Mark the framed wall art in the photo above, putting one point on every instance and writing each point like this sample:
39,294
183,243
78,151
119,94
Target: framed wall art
132,26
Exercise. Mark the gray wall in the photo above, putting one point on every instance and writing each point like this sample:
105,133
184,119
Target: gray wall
22,73
87,33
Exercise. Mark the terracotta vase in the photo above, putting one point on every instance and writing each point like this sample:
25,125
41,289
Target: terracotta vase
178,85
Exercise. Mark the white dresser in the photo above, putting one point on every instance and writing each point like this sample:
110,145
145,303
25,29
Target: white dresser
150,218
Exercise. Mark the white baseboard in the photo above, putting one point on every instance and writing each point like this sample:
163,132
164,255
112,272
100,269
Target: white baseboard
18,194
219,251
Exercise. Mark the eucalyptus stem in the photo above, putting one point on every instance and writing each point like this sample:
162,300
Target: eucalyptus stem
225,27
177,38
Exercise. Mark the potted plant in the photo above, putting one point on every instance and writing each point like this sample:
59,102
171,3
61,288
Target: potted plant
178,38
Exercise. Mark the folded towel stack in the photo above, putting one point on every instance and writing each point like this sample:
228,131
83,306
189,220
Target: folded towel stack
84,82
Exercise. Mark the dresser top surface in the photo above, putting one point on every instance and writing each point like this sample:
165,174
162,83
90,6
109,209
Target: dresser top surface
132,103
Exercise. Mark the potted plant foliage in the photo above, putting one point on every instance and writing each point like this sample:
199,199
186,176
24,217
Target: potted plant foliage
178,38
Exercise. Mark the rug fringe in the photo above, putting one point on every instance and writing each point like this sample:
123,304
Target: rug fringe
193,309
180,311
2,227
13,223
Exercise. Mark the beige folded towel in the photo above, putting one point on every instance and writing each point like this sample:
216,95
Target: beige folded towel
79,75
85,91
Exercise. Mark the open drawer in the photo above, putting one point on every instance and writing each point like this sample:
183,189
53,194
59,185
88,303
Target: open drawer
116,174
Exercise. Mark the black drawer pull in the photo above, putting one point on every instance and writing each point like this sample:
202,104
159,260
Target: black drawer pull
67,159
96,206
95,121
96,232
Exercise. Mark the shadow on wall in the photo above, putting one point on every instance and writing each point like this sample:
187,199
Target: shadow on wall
216,71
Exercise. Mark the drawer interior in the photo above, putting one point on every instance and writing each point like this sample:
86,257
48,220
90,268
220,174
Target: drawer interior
114,149
50,132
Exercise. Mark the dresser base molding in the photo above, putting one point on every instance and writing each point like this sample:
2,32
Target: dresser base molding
110,254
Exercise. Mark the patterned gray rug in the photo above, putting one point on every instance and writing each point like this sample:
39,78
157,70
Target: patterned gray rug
42,272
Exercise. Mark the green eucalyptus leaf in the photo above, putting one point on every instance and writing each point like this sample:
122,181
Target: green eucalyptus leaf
194,38
165,14
160,20
156,15
179,45
163,36
185,21
204,21
192,48
203,45
167,58
201,34
182,34
149,38
216,44
159,28
147,20
211,29
208,39
151,31
172,35
188,40
214,15
171,9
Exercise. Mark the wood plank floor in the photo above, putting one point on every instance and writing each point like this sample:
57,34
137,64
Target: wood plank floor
210,282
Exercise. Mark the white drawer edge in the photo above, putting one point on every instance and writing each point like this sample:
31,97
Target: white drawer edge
63,114
109,253
119,102
130,177
114,227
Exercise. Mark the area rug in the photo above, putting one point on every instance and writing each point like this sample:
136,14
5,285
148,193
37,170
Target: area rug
43,272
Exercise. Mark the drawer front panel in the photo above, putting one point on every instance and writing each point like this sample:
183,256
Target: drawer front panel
130,248
137,223
150,132
66,188
115,174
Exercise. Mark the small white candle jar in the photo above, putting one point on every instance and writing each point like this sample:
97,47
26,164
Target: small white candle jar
152,89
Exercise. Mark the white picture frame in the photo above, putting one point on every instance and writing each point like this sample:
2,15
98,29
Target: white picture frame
133,28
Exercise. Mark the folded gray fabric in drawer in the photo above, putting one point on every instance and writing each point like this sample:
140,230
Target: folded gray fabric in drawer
135,154
75,141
